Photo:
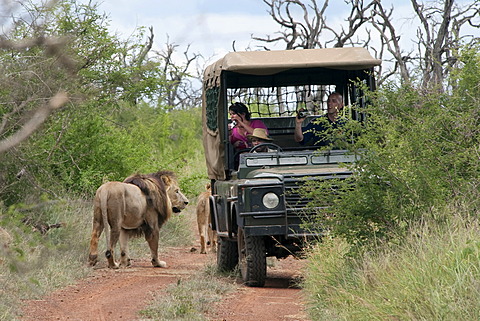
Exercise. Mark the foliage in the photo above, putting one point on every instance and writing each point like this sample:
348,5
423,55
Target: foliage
432,275
115,69
112,126
419,151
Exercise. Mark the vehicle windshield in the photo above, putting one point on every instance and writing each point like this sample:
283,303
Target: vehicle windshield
267,102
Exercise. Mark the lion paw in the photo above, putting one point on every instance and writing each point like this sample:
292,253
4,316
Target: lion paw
161,264
92,260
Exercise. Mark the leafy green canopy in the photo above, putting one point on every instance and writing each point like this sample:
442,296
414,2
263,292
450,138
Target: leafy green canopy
115,123
419,152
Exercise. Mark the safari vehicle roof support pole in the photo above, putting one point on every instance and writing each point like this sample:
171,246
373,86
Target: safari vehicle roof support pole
224,131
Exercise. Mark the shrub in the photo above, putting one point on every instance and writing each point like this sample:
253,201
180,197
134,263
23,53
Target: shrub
418,152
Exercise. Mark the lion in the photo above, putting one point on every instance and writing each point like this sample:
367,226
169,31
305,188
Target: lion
207,235
139,205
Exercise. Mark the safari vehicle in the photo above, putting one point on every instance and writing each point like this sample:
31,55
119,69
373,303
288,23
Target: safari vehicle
256,206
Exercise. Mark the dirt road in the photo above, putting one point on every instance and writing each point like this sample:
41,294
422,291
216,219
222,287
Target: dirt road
120,294
279,300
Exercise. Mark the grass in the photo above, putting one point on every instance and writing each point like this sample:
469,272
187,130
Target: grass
34,265
433,275
191,298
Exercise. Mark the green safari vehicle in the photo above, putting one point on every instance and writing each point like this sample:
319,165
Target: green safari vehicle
255,205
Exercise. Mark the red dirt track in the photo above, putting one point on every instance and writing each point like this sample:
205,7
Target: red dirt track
120,294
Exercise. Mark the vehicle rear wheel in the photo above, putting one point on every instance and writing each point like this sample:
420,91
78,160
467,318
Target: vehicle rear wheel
252,259
227,254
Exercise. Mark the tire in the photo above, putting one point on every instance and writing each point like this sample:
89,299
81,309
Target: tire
227,255
252,259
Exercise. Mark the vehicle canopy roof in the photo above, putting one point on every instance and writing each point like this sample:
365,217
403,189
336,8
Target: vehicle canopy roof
272,62
251,69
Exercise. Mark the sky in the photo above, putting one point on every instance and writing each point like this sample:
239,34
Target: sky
210,27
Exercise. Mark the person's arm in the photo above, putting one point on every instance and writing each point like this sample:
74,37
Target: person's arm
236,140
298,134
254,124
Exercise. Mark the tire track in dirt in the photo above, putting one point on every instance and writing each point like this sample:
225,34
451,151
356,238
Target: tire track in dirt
119,294
279,300
115,294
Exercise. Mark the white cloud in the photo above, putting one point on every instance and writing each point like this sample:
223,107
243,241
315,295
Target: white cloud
208,34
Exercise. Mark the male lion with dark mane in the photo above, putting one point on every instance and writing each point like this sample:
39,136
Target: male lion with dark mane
139,205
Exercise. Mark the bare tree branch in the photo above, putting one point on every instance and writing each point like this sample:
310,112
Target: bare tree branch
358,16
38,118
382,22
146,49
440,33
176,88
304,23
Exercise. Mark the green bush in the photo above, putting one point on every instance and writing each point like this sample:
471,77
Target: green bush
419,151
115,123
404,241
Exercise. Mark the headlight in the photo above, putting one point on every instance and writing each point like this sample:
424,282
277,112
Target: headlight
270,200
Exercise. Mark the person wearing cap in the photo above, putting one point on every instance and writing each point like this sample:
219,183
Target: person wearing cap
259,136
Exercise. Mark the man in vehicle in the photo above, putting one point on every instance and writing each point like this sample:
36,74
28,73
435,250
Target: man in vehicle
318,130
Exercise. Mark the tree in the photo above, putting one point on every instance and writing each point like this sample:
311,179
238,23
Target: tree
418,157
112,125
179,90
307,31
24,112
441,30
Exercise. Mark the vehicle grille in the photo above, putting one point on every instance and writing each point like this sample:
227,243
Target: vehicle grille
297,203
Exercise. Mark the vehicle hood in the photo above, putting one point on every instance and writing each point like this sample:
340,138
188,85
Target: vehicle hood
299,171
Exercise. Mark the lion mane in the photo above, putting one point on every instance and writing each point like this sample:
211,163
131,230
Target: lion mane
154,186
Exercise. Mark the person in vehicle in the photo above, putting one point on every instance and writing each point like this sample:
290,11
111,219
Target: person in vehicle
242,125
259,136
316,132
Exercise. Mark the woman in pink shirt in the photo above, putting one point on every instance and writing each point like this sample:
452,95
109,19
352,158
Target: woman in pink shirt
243,125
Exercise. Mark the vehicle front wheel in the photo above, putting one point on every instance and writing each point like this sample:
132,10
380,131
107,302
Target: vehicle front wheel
252,259
227,254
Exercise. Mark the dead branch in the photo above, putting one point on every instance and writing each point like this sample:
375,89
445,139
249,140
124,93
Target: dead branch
38,118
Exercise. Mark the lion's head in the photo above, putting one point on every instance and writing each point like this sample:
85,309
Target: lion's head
177,198
179,201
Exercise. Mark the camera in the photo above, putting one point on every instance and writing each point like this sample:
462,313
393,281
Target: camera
232,125
302,114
